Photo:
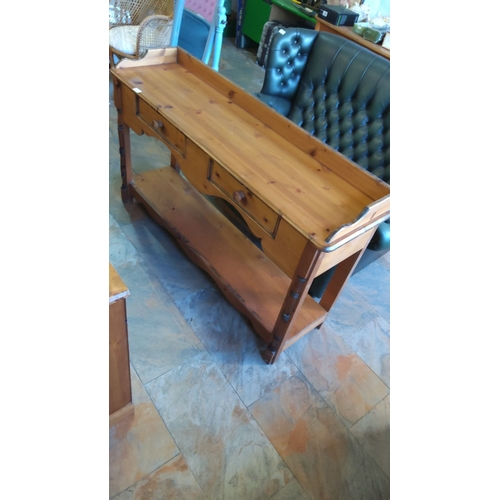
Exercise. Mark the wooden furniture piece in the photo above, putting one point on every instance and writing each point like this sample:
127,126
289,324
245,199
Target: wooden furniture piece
120,393
346,32
310,206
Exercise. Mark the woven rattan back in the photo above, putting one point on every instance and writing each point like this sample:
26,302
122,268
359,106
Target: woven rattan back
134,11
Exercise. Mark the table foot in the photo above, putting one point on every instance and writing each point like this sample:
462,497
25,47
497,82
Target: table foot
269,355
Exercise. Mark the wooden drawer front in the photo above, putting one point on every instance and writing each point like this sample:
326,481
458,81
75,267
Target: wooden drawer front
163,128
243,198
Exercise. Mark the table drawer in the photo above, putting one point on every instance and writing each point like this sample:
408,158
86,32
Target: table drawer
244,198
163,128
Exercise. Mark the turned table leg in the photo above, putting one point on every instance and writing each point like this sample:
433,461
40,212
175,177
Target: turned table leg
305,273
301,282
124,144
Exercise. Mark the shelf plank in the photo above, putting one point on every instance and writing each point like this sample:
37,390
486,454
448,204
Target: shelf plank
250,280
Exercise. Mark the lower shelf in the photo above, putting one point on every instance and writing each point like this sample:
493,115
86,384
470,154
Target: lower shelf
251,282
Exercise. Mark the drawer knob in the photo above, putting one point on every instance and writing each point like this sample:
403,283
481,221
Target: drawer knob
157,124
239,196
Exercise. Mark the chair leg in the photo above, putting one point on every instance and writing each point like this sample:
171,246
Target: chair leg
178,8
111,60
205,58
214,41
217,46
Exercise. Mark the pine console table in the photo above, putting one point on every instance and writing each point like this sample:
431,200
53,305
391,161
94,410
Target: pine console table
311,207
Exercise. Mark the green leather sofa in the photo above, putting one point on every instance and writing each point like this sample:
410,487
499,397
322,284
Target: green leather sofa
339,92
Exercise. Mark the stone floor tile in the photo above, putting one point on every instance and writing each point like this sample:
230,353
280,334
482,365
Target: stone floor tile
350,311
121,251
234,345
364,330
373,284
223,446
240,67
172,481
148,153
139,443
177,274
339,375
385,261
372,344
373,432
159,337
292,491
324,457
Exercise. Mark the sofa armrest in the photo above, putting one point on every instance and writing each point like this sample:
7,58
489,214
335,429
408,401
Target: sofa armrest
280,104
381,240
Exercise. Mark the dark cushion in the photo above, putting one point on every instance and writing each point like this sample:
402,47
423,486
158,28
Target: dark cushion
335,89
280,104
343,99
381,239
287,59
193,33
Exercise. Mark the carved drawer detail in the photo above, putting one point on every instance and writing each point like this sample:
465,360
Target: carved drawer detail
244,198
163,128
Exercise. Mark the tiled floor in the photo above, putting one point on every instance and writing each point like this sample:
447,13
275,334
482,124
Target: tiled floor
211,420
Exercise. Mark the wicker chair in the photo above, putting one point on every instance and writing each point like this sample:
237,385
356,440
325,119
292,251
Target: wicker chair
136,26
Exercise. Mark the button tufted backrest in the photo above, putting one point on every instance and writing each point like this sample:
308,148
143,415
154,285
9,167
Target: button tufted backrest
287,60
343,99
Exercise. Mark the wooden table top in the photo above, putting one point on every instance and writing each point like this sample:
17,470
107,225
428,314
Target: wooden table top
117,288
294,183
